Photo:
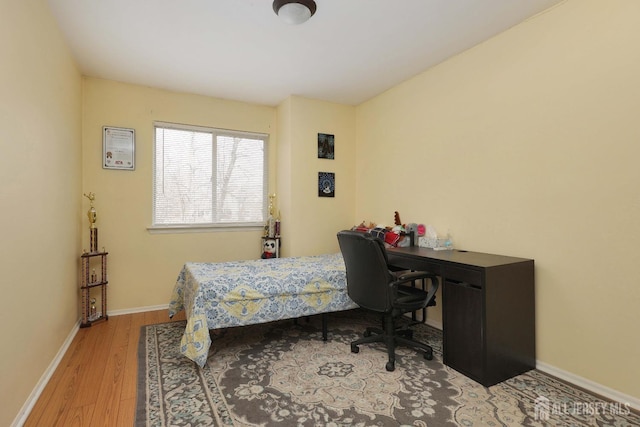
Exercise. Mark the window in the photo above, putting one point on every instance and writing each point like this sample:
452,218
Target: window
205,177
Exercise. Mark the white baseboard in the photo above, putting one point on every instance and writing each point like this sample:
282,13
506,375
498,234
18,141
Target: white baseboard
138,310
589,385
21,418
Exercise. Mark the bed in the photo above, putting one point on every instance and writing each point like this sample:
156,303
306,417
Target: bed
238,293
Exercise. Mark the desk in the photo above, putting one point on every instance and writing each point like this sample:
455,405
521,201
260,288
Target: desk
488,310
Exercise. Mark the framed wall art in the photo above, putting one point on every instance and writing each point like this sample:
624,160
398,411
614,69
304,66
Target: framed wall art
326,146
326,184
118,148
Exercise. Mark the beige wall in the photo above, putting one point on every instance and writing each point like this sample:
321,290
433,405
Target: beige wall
309,222
143,267
528,145
40,176
525,145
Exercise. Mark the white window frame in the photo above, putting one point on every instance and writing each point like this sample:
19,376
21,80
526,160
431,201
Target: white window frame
213,226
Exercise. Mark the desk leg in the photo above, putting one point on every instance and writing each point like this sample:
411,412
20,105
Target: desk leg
324,326
424,310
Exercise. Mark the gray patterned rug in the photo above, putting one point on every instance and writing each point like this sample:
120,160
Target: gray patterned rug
283,374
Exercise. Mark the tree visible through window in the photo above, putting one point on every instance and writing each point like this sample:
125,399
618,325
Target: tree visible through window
206,176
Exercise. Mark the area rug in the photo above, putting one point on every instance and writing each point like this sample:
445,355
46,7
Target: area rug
283,374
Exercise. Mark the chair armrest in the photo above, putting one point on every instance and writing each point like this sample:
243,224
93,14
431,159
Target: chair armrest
410,276
419,275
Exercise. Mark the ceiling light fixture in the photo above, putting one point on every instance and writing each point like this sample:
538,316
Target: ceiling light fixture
294,11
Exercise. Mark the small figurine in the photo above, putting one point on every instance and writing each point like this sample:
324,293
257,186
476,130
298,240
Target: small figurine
93,309
92,214
269,249
396,219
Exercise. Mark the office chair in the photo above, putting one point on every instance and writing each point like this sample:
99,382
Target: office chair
372,286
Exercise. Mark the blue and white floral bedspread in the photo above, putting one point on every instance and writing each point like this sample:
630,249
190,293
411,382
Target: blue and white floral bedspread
238,293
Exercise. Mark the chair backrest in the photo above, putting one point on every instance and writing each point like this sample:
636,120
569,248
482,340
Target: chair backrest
368,276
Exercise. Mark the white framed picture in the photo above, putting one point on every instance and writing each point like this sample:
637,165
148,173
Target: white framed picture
118,148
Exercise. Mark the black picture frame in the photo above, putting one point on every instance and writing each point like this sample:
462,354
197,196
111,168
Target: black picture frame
326,146
326,184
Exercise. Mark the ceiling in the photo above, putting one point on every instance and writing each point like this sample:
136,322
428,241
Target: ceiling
348,52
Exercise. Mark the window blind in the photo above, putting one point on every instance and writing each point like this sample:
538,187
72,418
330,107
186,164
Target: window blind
207,176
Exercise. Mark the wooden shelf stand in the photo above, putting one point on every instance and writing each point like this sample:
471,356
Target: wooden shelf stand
92,280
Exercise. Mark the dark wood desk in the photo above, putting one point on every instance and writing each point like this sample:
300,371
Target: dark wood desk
488,310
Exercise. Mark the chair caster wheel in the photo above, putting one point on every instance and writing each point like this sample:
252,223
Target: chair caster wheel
391,366
428,355
355,349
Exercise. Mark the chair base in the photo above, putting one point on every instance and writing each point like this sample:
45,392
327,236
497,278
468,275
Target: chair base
391,338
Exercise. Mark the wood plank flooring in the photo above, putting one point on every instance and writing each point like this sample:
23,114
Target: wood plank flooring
95,382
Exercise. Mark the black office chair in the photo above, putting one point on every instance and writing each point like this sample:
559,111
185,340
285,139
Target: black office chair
372,286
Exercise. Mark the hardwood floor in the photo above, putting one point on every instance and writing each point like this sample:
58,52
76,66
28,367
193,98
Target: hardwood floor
95,382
